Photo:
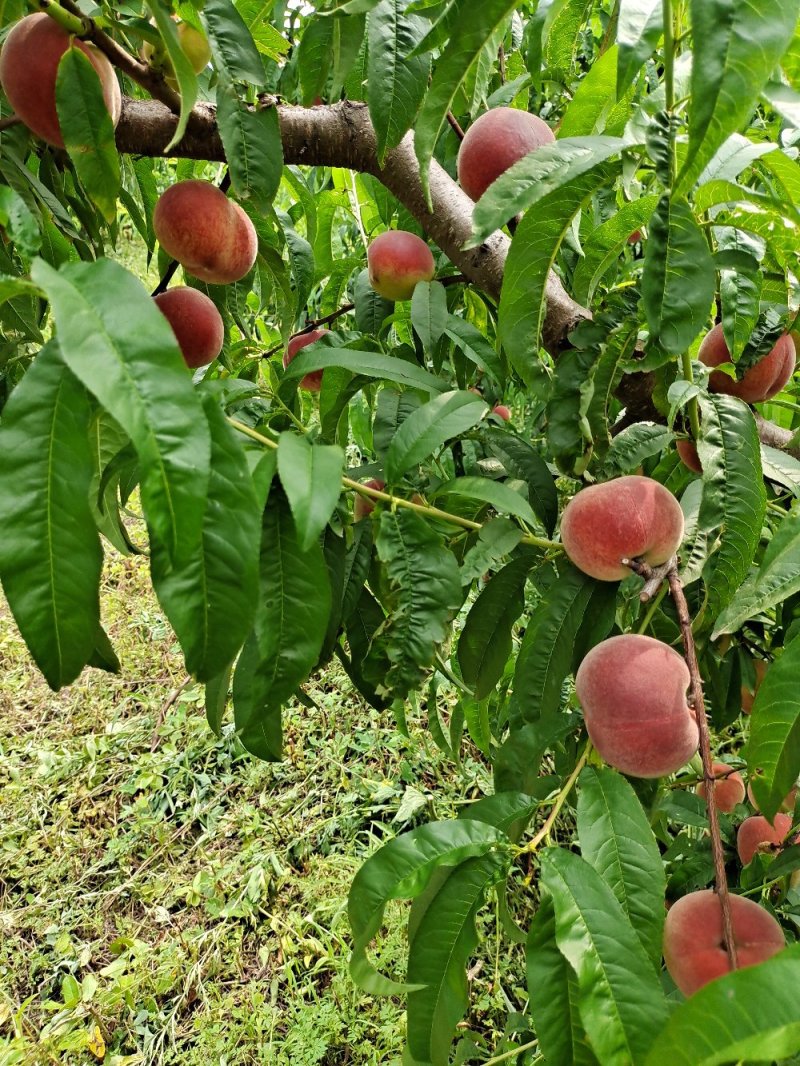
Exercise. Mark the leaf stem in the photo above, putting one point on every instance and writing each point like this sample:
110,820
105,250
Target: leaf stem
510,1054
560,800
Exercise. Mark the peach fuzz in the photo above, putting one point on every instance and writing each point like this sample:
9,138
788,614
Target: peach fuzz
694,945
28,69
196,323
363,505
397,262
496,141
210,236
687,450
312,382
632,690
757,834
728,787
760,382
630,517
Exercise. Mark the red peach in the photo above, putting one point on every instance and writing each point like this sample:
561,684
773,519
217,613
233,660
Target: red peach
397,261
687,450
363,505
757,834
312,382
635,237
502,411
196,323
728,787
496,141
760,382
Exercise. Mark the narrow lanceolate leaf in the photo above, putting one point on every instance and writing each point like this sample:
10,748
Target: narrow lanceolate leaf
253,146
438,954
530,258
678,279
210,597
602,247
396,80
368,364
638,31
424,593
402,869
181,67
485,642
236,56
749,40
621,1002
314,54
752,1015
594,99
521,461
616,839
773,750
501,496
429,312
538,175
476,348
217,699
740,295
121,347
311,476
431,426
473,27
777,578
88,130
50,555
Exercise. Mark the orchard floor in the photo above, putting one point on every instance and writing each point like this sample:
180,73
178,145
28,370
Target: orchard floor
165,898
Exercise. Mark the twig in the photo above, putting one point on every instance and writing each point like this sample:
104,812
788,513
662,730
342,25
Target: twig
459,132
170,701
559,803
654,576
9,121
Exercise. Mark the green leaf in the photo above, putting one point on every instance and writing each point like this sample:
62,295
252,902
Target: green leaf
217,699
181,67
509,811
739,290
521,461
312,480
253,146
639,28
314,55
23,229
621,1002
236,57
476,348
752,1014
538,175
517,762
371,310
50,554
402,869
429,427
773,748
569,432
369,364
633,445
429,312
748,42
496,539
496,493
396,79
679,280
485,642
616,839
603,246
88,130
594,99
391,411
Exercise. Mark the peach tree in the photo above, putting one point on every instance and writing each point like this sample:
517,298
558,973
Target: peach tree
523,460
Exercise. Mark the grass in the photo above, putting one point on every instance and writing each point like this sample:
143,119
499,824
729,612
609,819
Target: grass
164,897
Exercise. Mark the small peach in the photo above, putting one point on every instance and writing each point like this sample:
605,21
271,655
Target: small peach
312,382
397,262
728,787
363,505
761,382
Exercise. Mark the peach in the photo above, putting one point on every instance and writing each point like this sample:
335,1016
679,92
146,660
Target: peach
496,141
196,323
397,261
632,690
502,411
209,235
760,382
363,505
628,518
194,46
757,834
728,787
687,450
312,382
786,805
694,945
28,68
635,237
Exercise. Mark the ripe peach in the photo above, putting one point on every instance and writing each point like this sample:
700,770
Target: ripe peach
630,517
496,141
196,323
397,261
694,945
635,237
786,805
28,68
363,505
757,834
632,690
687,450
502,411
312,382
209,235
760,382
728,787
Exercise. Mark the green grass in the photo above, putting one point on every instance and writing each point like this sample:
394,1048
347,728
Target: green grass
160,887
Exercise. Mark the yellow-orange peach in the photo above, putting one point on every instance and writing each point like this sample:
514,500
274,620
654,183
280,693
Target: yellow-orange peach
363,505
757,834
209,235
311,382
194,46
687,450
694,945
28,69
630,517
496,141
762,381
728,787
632,690
397,262
196,323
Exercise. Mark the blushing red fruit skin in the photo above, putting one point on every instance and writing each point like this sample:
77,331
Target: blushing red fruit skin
397,262
728,790
694,948
196,323
209,235
760,382
757,831
363,505
312,382
502,411
28,68
687,450
632,690
496,141
622,519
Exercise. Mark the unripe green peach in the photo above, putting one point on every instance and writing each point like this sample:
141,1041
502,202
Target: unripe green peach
196,323
397,262
628,518
496,141
311,382
760,382
728,787
28,69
